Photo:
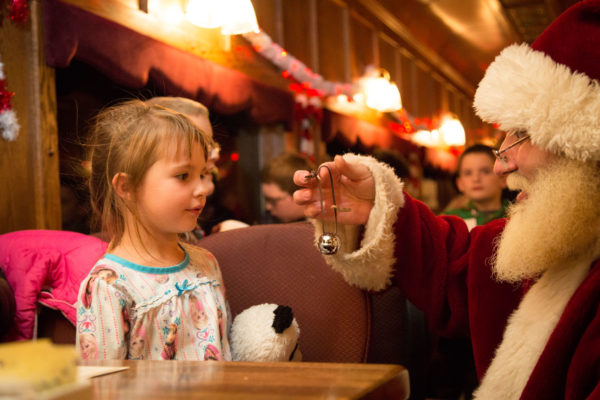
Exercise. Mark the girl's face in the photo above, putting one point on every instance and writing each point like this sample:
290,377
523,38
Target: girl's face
136,346
199,317
173,192
88,347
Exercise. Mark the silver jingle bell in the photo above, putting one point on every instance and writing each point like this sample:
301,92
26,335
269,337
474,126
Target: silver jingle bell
329,243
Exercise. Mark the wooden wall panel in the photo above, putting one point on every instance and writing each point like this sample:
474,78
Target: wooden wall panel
268,18
362,45
331,44
389,57
29,186
405,80
436,94
298,37
422,91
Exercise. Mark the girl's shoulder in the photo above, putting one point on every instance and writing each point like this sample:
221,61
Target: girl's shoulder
106,267
203,260
197,253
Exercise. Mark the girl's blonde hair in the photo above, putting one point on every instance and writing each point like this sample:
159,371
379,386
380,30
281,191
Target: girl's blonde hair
129,138
180,104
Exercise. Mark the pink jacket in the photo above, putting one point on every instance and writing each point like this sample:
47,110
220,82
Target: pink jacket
46,266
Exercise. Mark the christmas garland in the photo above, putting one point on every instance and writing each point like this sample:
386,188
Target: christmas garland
294,68
311,88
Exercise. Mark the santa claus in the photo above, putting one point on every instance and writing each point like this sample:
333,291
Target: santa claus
526,290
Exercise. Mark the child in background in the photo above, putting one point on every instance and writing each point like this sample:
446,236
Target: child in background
481,187
148,185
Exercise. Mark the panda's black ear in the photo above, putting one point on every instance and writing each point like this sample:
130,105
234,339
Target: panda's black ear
283,318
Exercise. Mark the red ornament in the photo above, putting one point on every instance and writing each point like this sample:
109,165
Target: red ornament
19,11
5,96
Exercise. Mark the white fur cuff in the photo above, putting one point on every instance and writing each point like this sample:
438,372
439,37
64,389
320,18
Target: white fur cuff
370,267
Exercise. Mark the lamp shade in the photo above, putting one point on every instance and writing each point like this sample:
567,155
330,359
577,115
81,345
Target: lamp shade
205,13
452,131
379,93
239,17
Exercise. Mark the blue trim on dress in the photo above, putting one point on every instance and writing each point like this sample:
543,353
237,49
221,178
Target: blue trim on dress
151,270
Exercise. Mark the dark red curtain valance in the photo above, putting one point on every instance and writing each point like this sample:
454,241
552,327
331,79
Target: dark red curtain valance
132,59
353,129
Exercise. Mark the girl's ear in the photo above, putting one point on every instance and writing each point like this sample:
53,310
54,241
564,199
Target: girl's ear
121,185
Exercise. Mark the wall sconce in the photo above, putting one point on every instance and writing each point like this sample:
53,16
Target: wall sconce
233,16
452,131
379,93
204,13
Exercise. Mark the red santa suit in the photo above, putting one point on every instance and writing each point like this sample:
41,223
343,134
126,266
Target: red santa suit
536,340
540,339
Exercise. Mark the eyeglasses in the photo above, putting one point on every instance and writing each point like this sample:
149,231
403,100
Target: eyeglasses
500,153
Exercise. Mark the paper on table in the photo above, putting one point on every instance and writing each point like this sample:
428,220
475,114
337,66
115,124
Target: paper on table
91,371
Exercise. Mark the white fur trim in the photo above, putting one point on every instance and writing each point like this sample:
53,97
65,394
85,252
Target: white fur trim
9,126
370,267
528,330
253,338
560,108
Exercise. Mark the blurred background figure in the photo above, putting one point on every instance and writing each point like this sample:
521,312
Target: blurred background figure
277,186
481,189
75,205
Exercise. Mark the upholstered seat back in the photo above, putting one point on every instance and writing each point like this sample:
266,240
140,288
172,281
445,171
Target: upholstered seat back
280,264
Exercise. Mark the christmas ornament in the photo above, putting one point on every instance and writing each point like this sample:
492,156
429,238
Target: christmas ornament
328,243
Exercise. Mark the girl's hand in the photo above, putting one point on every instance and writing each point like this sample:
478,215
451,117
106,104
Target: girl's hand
354,189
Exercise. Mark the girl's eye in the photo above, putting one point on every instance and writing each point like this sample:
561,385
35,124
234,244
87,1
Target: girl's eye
182,177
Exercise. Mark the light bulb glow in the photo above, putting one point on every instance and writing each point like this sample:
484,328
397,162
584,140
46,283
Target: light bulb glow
453,133
240,17
379,93
234,17
205,13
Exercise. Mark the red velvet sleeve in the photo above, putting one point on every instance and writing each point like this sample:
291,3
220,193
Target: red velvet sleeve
446,272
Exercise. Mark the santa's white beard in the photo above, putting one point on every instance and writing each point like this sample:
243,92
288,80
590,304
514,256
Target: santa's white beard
559,220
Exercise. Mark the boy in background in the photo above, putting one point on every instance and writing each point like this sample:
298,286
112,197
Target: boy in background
277,185
479,185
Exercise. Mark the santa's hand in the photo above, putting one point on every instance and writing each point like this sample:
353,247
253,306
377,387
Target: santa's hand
354,189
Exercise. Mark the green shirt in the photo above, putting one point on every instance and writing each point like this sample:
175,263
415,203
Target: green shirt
469,212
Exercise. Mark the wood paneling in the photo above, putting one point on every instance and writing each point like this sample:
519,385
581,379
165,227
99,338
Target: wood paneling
297,36
405,80
389,57
362,45
29,166
330,28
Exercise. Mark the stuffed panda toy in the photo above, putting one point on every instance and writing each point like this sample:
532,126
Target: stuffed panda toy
265,332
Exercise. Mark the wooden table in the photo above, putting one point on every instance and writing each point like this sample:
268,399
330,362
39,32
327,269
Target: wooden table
243,380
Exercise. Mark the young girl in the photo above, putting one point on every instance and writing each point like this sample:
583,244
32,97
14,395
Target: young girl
142,299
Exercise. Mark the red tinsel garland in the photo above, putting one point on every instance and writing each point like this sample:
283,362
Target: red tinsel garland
19,11
5,96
